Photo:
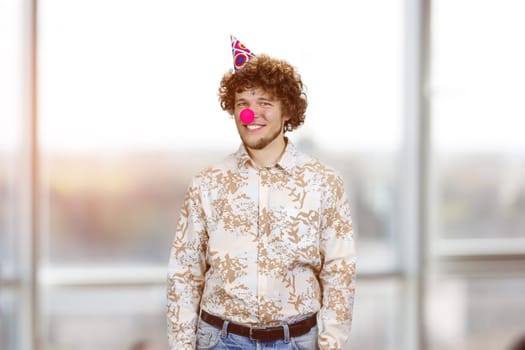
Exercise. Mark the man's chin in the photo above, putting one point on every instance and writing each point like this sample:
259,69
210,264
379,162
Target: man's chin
259,144
262,142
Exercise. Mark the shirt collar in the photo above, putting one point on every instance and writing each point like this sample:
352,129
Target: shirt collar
287,162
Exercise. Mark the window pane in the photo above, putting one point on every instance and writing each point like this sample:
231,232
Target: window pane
378,316
477,107
8,246
475,313
9,319
371,181
105,318
129,113
11,116
13,87
115,209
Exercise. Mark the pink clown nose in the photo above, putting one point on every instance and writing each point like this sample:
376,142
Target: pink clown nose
247,116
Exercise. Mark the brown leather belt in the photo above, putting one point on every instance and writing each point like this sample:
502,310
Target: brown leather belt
262,333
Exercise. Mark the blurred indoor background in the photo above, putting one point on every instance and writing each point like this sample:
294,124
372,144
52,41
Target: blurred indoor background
109,107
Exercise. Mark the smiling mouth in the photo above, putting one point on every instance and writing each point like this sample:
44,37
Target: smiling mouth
253,126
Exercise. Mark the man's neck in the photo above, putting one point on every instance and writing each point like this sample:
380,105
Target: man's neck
269,155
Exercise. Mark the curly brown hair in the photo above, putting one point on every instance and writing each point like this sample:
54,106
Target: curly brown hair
275,77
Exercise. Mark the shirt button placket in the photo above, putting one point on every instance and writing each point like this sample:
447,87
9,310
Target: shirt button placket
262,236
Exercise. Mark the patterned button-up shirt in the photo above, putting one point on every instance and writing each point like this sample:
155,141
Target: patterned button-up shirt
263,247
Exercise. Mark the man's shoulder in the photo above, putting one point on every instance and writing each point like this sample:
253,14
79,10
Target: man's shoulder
312,163
227,164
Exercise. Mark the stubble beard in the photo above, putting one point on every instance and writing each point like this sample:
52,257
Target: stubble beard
263,141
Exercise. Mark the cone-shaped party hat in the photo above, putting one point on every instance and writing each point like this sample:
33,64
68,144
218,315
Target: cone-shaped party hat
241,54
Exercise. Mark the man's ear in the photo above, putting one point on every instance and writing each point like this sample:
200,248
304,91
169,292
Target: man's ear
285,119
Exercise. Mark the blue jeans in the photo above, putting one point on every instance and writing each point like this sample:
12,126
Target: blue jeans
210,338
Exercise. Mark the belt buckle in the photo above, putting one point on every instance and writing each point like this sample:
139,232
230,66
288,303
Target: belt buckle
256,329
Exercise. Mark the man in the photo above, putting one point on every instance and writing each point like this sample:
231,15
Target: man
263,255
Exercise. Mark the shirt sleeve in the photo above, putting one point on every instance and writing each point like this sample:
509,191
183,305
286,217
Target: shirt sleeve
337,275
186,269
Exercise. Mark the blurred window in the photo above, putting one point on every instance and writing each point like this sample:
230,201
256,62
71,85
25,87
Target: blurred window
12,77
129,113
477,112
118,156
107,318
379,322
11,116
475,312
9,319
478,212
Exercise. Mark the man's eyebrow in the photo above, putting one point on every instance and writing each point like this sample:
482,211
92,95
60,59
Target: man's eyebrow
266,98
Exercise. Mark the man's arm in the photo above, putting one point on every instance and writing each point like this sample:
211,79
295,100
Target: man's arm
186,269
337,276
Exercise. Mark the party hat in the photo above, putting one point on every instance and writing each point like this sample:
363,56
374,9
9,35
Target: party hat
241,54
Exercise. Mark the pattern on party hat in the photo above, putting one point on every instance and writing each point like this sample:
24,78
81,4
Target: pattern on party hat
241,54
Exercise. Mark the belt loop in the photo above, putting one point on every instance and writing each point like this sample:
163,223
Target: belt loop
224,330
286,333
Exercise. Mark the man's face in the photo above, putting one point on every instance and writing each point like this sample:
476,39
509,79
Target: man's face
267,127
